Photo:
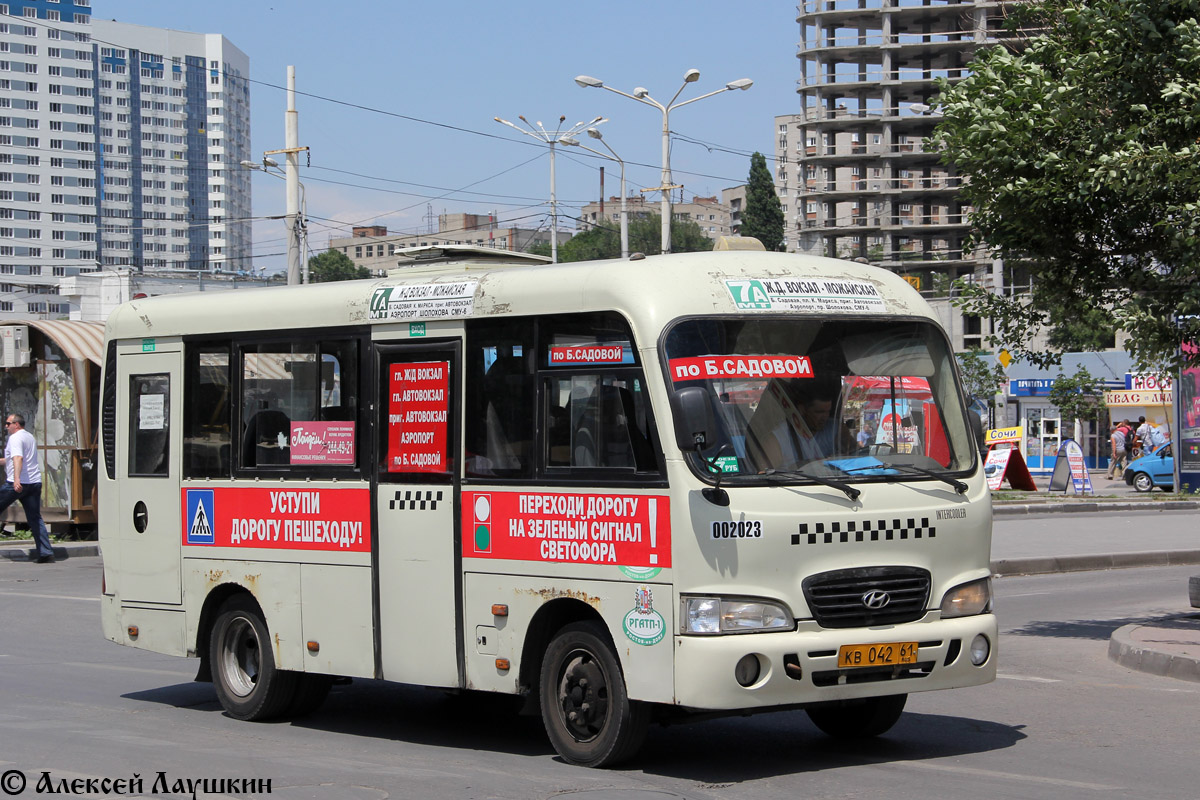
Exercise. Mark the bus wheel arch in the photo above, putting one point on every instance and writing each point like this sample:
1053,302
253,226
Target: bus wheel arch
552,617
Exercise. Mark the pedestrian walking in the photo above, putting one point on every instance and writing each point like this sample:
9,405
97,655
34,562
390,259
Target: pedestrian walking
24,483
1117,461
1141,441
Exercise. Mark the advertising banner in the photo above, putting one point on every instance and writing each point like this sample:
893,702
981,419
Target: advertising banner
322,443
618,530
279,519
418,412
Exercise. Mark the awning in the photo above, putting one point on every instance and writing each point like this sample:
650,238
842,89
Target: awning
77,339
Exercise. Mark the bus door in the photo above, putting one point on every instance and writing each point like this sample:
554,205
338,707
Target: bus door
150,396
416,499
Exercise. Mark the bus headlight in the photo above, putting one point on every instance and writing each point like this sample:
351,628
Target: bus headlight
968,599
716,615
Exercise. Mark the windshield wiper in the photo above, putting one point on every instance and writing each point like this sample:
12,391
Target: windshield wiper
958,485
850,491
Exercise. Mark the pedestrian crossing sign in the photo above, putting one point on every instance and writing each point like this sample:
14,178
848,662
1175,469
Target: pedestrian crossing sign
200,516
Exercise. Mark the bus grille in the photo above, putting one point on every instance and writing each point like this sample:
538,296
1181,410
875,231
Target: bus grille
838,599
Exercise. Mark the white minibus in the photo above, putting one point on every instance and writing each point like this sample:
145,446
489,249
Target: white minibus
630,491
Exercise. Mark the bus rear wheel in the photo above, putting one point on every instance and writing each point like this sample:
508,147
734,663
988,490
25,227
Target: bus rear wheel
587,713
248,684
858,719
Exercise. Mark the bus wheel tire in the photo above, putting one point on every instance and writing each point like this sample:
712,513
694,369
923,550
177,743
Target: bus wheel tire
248,684
858,719
311,690
588,716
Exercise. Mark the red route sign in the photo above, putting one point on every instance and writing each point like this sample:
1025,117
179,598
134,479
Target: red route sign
278,519
418,410
617,530
699,368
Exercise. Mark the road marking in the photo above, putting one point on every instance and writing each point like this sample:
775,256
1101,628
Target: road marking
1029,678
50,596
987,773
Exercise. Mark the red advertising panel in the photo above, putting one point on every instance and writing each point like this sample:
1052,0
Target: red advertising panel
741,367
587,354
279,519
612,529
322,443
418,412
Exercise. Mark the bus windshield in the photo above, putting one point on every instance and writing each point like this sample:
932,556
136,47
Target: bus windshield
809,398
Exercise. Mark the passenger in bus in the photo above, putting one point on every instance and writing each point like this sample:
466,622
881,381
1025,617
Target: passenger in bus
792,423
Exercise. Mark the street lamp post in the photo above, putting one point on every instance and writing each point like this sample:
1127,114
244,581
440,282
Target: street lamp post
297,245
642,95
546,137
595,134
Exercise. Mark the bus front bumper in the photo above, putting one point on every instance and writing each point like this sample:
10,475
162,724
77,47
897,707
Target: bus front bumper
802,666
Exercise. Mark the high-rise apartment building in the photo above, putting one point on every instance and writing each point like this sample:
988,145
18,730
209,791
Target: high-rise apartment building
854,171
119,148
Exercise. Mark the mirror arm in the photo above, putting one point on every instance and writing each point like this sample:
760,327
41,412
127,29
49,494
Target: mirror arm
713,494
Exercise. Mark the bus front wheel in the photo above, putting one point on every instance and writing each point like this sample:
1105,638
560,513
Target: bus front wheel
248,684
858,719
587,713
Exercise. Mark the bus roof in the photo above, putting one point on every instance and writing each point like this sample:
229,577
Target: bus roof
649,290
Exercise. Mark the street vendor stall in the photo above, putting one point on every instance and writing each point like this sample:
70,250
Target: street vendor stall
50,374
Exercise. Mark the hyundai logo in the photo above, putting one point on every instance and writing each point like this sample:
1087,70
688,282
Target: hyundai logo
876,599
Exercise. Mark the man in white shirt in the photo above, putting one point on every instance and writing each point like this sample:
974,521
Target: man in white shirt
24,483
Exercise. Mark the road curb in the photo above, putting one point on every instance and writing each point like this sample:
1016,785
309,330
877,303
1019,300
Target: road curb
61,552
1091,506
1126,651
1044,565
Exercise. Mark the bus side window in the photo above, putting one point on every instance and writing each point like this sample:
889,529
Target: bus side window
149,425
500,405
207,437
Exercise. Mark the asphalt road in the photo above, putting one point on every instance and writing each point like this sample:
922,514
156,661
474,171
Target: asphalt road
1062,721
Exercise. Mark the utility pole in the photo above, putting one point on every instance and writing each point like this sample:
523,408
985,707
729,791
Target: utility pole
297,224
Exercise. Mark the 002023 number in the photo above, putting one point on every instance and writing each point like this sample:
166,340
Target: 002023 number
741,529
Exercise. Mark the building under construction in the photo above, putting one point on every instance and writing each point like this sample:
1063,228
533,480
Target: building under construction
854,171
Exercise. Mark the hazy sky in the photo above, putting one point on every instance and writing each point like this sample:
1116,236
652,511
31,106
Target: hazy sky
397,99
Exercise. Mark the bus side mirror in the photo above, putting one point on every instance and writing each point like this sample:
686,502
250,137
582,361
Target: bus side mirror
694,422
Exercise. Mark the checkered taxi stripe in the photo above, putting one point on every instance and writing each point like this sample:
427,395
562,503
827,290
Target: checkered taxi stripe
864,531
415,501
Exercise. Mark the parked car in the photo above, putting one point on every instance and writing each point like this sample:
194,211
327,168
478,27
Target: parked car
1156,469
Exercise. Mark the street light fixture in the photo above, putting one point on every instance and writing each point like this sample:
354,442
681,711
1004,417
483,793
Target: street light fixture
642,95
297,245
546,137
595,134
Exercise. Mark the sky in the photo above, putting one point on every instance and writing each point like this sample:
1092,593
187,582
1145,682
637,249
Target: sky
396,100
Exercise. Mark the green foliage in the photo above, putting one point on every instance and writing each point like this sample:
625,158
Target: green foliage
645,236
1083,161
1080,396
539,249
334,265
980,379
763,217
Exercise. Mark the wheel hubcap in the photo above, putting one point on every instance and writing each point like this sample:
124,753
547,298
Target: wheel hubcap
241,655
583,696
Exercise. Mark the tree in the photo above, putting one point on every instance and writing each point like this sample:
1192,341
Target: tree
645,236
980,379
1080,396
1083,164
334,265
763,217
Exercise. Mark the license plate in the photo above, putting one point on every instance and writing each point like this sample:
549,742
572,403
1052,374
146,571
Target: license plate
885,654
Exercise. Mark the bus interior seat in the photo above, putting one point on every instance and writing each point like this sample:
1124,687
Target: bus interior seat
260,441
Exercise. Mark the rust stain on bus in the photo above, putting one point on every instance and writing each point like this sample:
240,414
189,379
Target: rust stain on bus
554,594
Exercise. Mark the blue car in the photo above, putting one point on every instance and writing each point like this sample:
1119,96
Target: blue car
1156,469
